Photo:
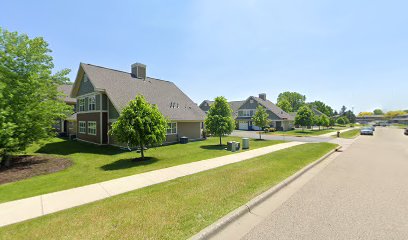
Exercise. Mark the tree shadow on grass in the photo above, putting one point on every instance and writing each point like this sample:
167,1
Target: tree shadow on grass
129,163
213,147
68,147
259,140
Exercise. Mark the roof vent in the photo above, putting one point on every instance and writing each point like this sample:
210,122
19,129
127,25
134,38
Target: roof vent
139,70
262,96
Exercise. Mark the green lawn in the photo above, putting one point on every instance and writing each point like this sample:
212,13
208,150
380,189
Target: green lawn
350,134
400,126
94,163
302,133
173,210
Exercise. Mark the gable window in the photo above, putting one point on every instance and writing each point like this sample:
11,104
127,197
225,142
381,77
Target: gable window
171,128
82,127
81,105
92,103
91,127
246,112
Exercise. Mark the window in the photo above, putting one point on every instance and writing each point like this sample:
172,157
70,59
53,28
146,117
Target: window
171,128
91,103
82,127
246,112
81,104
91,127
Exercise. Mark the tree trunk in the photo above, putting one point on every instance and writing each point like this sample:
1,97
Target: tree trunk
220,141
5,160
142,151
260,137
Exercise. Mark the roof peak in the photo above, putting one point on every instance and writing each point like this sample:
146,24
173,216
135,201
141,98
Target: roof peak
93,65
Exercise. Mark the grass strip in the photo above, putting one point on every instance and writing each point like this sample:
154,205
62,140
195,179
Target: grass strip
173,210
350,134
92,163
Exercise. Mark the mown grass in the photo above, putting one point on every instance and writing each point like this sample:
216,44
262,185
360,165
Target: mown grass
302,133
173,210
350,134
92,164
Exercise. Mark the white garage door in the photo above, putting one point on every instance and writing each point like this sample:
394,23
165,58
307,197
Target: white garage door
243,125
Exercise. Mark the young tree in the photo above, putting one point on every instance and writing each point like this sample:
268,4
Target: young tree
30,102
285,105
140,124
378,112
342,120
316,121
219,119
295,99
324,121
261,119
304,117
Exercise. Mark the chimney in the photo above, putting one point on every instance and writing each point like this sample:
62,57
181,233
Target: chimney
262,96
139,70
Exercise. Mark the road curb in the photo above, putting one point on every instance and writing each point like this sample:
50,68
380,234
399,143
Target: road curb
219,225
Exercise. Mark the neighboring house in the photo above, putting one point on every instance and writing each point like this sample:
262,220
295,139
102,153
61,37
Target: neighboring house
244,110
280,120
102,93
67,127
206,104
403,119
369,119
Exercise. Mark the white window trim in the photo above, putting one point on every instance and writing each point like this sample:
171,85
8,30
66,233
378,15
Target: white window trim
81,103
79,127
92,101
91,128
246,112
173,129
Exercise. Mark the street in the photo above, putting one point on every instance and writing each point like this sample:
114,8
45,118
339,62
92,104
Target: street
360,193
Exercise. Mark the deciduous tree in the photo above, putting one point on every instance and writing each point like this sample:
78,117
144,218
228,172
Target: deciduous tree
140,124
261,119
378,112
295,99
285,105
30,102
304,117
219,121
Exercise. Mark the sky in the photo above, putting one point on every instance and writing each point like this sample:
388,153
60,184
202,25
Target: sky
352,53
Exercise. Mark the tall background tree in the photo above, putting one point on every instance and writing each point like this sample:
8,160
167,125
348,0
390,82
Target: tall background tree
261,119
219,121
140,124
285,105
378,112
29,100
296,100
304,117
350,116
322,107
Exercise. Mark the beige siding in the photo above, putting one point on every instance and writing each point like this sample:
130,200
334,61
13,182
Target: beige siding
192,130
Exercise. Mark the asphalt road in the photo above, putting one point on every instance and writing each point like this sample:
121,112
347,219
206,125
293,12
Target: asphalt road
362,194
254,134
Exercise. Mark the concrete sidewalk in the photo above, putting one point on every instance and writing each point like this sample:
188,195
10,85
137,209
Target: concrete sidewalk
28,208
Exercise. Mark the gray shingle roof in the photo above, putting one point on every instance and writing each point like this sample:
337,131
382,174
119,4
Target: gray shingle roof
66,89
121,87
273,108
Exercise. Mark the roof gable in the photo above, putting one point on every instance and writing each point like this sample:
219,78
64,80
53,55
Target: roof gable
121,87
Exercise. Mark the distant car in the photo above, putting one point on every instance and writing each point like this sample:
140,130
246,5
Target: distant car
372,128
366,131
406,131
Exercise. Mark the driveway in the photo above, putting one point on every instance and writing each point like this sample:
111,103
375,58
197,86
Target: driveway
362,194
254,134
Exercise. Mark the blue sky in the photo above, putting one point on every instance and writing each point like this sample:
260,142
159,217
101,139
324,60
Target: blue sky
352,53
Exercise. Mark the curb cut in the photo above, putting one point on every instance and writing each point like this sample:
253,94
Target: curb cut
220,224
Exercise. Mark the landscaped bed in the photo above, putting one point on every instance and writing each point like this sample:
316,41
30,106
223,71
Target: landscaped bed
26,166
173,210
92,163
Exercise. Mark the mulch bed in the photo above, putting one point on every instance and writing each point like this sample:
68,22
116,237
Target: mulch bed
27,166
